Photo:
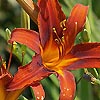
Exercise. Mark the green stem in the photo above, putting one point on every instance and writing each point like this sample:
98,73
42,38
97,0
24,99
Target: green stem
87,26
85,70
25,20
30,7
96,72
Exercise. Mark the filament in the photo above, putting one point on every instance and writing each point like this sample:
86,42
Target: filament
9,62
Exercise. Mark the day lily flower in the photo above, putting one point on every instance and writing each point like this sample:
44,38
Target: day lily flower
5,79
55,49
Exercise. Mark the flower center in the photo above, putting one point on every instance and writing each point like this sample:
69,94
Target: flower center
60,42
59,52
56,55
60,39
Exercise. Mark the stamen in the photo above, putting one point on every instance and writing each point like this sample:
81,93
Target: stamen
54,30
62,38
57,41
59,48
60,42
64,29
63,24
76,27
60,51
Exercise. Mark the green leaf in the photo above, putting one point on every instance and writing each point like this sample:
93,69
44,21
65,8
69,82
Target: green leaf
22,98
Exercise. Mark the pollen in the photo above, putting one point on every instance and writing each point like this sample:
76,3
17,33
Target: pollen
60,42
64,29
54,30
56,40
62,38
63,24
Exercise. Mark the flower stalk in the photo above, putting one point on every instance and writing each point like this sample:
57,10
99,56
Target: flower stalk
25,19
9,62
30,7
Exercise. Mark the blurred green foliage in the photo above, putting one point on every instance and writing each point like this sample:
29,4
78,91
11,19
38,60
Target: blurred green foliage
10,17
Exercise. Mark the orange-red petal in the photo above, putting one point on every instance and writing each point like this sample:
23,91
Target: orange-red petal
85,63
88,54
27,37
86,50
13,95
75,23
30,73
38,91
5,78
67,86
49,17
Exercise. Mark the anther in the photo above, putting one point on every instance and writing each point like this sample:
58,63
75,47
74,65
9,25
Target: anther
63,24
60,42
64,29
54,30
62,38
57,41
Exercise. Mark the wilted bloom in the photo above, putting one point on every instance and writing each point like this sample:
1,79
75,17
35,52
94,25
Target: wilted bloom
5,79
55,49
